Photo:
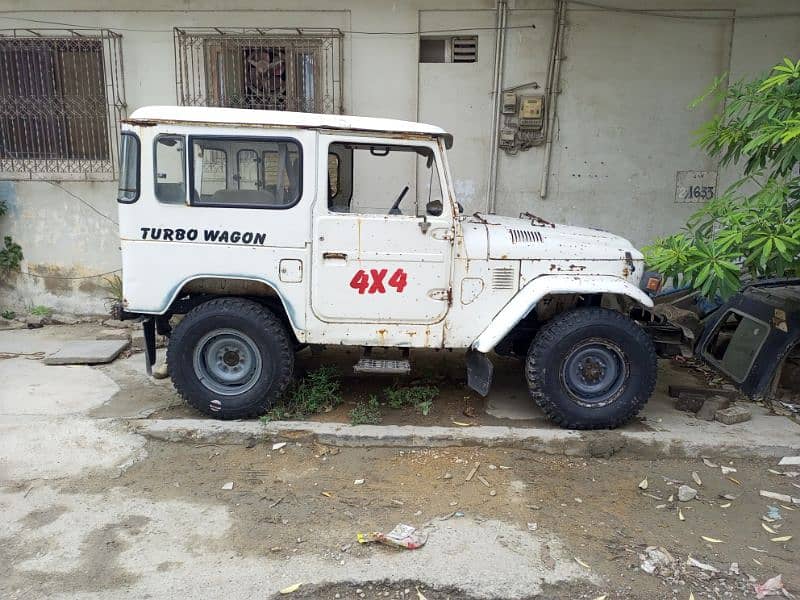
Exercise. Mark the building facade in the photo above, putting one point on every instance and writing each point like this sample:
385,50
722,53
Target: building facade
589,102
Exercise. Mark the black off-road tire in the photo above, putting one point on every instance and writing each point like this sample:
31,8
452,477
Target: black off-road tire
568,333
259,325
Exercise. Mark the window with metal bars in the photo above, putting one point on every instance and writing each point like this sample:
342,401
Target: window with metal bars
259,69
61,99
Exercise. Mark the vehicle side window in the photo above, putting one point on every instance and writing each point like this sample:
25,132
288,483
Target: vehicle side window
170,169
128,191
246,172
383,179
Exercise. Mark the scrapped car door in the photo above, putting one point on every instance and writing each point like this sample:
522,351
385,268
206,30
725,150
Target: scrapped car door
382,241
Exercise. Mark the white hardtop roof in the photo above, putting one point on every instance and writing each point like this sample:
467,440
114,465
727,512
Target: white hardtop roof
276,118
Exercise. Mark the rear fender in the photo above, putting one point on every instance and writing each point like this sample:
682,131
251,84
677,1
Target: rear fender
527,298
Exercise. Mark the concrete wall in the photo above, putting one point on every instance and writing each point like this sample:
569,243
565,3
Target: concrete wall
622,133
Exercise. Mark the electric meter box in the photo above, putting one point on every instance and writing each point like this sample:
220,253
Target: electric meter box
531,112
509,103
507,137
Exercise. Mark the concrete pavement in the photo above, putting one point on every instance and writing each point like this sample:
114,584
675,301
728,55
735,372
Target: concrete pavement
88,511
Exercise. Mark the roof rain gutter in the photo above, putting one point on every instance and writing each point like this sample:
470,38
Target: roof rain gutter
497,88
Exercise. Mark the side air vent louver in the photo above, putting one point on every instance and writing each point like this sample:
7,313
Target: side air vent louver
503,279
519,236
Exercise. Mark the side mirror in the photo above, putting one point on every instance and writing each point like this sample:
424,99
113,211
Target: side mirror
434,208
460,208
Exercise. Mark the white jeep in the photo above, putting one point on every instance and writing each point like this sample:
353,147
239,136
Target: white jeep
271,231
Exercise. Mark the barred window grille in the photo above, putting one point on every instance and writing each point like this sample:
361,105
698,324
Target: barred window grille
260,69
61,100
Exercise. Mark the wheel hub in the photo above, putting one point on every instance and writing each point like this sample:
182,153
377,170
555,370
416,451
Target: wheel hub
227,362
231,358
594,372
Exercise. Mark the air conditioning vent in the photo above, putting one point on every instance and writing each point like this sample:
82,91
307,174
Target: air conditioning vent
519,236
503,279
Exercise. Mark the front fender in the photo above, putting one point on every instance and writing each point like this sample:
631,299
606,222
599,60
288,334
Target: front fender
527,298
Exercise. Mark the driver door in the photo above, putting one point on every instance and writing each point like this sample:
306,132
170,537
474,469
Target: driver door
372,264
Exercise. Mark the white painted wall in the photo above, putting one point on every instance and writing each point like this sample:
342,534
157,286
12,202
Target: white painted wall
623,126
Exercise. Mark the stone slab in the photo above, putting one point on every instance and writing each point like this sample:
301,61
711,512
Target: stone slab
87,352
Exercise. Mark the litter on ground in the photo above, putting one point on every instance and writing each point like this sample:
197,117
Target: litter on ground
402,536
771,587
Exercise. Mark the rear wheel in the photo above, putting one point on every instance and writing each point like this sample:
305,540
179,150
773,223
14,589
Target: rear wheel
591,368
230,358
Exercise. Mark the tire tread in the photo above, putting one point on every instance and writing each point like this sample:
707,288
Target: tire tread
256,314
555,330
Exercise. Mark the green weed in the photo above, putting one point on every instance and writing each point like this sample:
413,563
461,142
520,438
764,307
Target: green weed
419,396
112,285
318,391
424,407
41,311
366,413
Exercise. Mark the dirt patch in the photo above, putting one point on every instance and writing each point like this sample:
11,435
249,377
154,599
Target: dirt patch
414,590
302,500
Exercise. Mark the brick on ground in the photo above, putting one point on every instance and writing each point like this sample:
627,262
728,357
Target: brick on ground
710,407
733,414
689,402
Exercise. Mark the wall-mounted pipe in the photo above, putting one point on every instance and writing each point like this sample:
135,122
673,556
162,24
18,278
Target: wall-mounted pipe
497,87
553,88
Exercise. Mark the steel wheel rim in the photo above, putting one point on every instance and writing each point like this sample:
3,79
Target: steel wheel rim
227,362
594,372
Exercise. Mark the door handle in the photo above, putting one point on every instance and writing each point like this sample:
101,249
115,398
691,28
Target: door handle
334,256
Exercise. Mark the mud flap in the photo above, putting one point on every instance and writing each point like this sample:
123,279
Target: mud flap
480,371
149,328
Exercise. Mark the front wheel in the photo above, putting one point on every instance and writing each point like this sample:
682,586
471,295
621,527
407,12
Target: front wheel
230,358
591,368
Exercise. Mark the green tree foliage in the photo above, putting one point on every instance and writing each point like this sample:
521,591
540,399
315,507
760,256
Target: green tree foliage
744,235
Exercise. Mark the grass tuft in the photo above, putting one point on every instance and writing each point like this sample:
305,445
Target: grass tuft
319,391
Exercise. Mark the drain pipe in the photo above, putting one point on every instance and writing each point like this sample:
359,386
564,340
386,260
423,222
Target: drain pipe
497,88
554,83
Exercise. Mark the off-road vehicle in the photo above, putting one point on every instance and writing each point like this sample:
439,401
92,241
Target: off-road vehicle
272,231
